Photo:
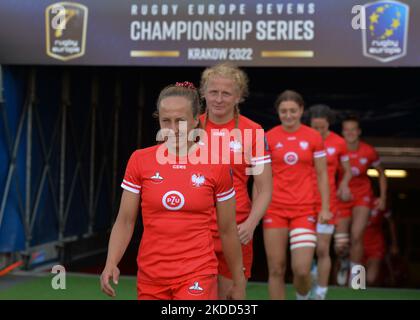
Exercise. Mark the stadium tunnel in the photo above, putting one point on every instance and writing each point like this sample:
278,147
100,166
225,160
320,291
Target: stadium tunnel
66,134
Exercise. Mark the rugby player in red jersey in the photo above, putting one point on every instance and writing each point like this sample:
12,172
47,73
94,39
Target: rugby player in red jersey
241,143
176,258
321,116
297,151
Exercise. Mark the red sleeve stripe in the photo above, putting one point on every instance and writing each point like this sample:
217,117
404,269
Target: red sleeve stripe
224,193
320,154
124,186
131,184
226,197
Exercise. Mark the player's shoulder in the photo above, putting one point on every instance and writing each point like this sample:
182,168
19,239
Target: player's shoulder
336,138
145,152
366,147
274,131
246,123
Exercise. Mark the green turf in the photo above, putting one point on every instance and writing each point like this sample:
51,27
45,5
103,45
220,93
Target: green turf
87,288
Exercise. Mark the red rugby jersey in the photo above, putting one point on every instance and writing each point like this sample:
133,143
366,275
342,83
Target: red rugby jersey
243,152
177,202
292,155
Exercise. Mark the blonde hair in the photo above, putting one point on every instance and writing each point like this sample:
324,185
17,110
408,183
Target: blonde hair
230,71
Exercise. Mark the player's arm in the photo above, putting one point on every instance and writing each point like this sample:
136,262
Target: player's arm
121,234
343,190
261,198
383,186
226,221
324,190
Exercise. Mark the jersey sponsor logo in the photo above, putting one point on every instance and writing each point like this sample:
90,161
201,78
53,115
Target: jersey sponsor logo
366,199
157,178
304,145
235,146
291,138
355,171
195,289
279,145
197,180
363,161
173,200
218,133
291,158
179,166
331,150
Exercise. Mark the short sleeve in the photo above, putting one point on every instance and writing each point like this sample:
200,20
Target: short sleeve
260,151
318,147
374,158
224,184
132,176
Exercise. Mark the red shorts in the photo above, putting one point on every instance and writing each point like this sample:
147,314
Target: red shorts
344,209
247,257
301,226
374,246
290,219
199,288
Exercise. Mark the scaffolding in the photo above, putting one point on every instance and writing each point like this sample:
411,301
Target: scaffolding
63,158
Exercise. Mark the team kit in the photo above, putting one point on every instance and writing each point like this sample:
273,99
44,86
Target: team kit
309,189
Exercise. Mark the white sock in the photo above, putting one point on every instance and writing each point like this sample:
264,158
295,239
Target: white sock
303,297
321,292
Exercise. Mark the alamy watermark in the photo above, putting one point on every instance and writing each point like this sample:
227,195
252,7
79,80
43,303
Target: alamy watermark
224,146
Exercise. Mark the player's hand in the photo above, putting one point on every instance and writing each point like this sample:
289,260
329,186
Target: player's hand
108,273
344,193
324,216
246,232
380,204
238,290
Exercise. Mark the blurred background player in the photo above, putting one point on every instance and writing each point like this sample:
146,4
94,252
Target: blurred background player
223,87
297,151
176,258
375,245
321,116
353,215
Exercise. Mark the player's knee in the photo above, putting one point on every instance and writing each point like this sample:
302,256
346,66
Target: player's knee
301,270
322,252
278,271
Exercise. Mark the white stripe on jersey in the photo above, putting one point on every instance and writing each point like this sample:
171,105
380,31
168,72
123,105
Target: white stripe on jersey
320,154
227,197
223,193
131,184
136,191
